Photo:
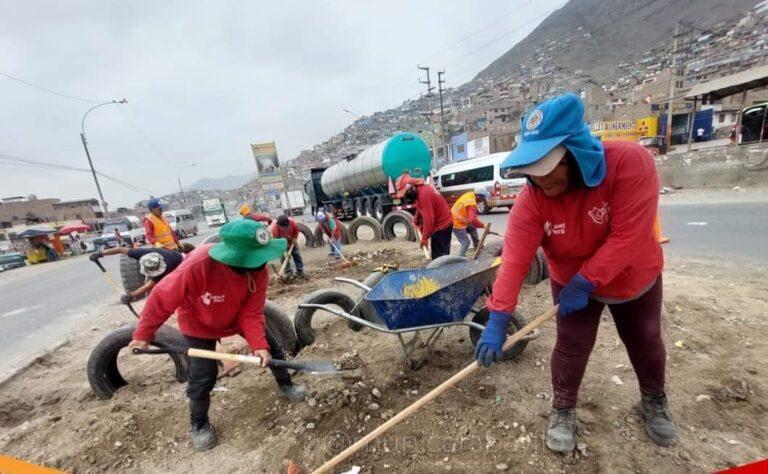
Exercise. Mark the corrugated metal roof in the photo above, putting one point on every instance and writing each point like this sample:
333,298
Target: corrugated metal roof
754,78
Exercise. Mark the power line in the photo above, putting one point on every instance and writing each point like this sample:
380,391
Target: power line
144,136
13,160
50,91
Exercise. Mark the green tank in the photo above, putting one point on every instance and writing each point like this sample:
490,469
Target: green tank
372,166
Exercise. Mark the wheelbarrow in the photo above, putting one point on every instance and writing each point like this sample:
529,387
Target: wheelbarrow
429,300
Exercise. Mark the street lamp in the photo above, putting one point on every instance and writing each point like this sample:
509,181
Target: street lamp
367,134
181,190
88,154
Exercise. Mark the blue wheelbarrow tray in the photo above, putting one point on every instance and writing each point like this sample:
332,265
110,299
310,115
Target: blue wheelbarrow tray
428,296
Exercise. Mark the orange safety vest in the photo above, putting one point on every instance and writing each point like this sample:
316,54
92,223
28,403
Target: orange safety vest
459,210
163,232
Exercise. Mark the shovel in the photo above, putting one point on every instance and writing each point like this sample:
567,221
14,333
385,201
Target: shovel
112,283
313,368
281,273
347,263
418,236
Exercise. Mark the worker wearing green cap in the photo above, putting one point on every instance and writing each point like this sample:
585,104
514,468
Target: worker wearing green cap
219,291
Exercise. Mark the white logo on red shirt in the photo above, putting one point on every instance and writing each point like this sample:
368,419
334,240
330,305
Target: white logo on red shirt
599,215
556,229
209,298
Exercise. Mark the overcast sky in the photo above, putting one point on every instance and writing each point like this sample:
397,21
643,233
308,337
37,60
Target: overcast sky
205,79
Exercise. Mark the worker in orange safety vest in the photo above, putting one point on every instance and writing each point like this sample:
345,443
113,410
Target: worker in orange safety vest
157,229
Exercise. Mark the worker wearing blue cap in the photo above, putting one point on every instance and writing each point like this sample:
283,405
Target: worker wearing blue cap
157,230
592,207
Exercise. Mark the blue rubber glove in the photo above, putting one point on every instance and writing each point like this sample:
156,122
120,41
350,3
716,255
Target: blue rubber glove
492,339
575,295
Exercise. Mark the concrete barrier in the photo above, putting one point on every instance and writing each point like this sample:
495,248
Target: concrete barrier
715,167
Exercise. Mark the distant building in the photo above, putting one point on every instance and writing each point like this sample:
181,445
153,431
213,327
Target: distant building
19,210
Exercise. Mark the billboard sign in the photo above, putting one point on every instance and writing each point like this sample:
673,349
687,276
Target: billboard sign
625,129
265,155
478,147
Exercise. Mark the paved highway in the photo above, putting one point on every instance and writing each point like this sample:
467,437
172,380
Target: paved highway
40,304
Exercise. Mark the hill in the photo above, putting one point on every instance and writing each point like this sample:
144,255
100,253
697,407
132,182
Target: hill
224,183
594,36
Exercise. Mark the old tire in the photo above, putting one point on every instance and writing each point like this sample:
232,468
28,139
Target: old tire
446,260
378,231
544,264
103,373
516,323
399,217
302,320
129,274
281,327
364,308
212,239
307,233
533,276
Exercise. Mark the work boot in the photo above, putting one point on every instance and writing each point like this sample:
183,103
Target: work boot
302,276
292,391
203,437
658,420
561,433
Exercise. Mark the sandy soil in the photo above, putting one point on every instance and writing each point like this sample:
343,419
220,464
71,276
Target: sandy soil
715,321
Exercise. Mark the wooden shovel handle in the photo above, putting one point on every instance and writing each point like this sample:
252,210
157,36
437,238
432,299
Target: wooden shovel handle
285,260
437,391
481,244
202,353
424,249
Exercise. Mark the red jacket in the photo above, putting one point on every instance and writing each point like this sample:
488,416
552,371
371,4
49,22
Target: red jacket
259,218
211,301
334,233
432,211
291,232
605,233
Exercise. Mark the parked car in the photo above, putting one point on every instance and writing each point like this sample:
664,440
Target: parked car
482,176
182,222
130,228
12,260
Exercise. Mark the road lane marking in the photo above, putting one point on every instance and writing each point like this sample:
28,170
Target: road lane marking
19,311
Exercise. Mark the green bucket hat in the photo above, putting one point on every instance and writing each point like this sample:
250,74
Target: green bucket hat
247,244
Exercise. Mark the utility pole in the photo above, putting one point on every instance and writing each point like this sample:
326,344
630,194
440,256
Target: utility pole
672,82
428,114
440,82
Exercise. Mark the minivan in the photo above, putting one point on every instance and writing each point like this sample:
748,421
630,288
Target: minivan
182,222
482,176
131,230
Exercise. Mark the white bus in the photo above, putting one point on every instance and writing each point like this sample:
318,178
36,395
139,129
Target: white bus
482,176
215,215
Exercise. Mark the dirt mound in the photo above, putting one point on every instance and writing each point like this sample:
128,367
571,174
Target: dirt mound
714,328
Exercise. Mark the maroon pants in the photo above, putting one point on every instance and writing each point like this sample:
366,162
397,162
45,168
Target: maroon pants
638,323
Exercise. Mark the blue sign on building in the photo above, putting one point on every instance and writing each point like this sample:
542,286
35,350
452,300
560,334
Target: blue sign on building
459,147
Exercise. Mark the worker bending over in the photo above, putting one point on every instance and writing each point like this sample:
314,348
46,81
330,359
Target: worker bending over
465,221
154,263
286,228
245,211
592,207
157,229
219,291
433,215
331,227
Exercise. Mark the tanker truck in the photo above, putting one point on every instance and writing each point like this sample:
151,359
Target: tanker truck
364,184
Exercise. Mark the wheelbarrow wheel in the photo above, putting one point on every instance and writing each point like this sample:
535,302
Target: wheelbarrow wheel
516,323
302,320
102,369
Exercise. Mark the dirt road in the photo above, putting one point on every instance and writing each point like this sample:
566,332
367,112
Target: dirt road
715,322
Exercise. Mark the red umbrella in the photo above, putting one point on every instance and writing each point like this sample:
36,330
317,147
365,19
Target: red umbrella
68,229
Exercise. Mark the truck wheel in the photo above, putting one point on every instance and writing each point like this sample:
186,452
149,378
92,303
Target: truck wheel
367,221
358,207
399,217
103,373
302,320
481,317
309,238
281,327
378,210
129,273
369,207
482,206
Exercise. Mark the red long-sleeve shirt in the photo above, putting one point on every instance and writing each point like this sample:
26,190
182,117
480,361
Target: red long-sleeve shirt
331,227
259,218
211,301
604,233
291,233
473,220
432,211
